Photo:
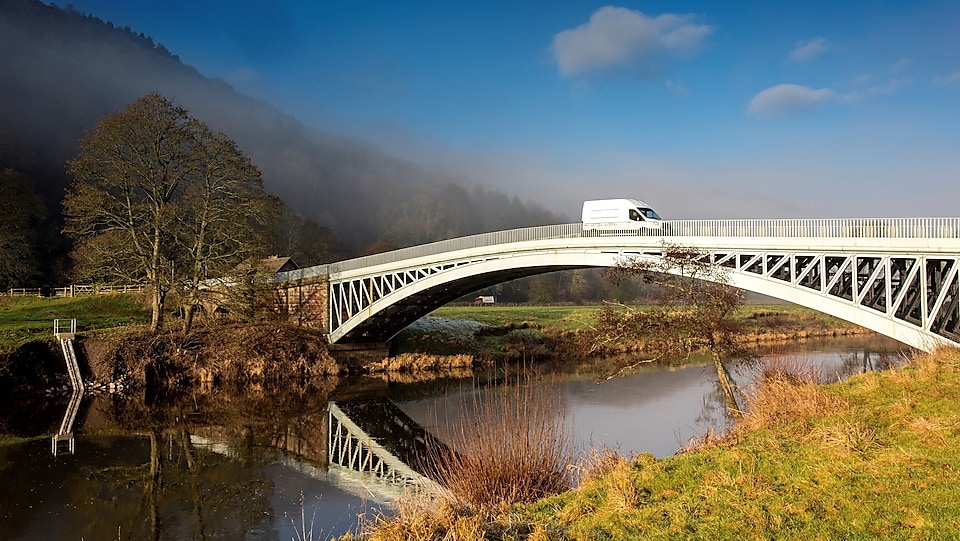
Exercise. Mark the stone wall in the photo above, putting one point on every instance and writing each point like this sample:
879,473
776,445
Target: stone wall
306,302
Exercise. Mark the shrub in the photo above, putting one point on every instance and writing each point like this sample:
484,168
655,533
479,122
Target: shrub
510,444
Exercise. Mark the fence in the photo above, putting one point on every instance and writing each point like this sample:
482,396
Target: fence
918,228
75,290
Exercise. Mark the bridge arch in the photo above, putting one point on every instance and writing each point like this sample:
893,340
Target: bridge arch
903,286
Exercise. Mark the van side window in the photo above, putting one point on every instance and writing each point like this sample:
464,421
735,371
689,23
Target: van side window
635,215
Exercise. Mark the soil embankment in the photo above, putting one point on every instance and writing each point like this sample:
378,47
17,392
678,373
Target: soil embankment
252,353
239,354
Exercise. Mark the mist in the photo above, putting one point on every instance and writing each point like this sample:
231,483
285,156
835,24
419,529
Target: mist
64,71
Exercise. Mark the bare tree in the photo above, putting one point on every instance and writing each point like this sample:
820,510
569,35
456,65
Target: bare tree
226,218
695,309
157,197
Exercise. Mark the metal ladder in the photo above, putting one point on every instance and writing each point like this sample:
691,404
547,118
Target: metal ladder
65,331
66,343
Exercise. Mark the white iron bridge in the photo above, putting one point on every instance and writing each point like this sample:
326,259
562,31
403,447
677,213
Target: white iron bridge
895,276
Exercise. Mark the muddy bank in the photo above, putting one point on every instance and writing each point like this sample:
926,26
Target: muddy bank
238,354
258,354
445,340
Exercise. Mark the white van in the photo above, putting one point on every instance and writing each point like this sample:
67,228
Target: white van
618,214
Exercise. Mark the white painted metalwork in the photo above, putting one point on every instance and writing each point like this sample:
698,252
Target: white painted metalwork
349,446
897,276
363,486
65,432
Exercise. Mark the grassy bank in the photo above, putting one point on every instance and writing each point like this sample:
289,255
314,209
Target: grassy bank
524,332
25,319
876,456
756,317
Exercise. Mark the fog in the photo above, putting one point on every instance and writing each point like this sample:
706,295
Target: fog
64,71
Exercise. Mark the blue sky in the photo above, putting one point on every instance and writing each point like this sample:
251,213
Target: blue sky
704,109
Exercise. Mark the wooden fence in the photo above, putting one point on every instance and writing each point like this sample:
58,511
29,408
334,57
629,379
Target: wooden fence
73,290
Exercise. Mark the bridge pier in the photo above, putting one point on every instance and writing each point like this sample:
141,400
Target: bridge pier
306,299
357,357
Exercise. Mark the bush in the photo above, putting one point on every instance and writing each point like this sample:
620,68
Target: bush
510,444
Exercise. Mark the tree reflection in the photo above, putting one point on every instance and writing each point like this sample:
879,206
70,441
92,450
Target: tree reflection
139,473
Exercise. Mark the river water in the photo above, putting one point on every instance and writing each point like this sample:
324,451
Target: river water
254,465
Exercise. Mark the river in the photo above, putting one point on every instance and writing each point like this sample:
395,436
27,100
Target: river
254,465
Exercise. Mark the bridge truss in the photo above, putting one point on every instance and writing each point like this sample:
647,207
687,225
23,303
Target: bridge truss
917,292
387,447
898,277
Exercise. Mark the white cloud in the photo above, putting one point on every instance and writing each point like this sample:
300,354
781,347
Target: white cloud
623,39
900,65
786,99
892,86
676,89
948,80
809,49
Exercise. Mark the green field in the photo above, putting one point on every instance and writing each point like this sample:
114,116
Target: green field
569,318
23,319
549,317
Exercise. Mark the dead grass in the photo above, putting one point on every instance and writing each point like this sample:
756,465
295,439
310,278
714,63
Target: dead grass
509,445
417,520
601,461
422,362
622,491
848,436
787,391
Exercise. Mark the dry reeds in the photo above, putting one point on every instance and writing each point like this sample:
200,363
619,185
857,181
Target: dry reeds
419,362
509,445
787,390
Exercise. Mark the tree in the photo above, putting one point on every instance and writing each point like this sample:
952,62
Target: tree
225,217
21,212
307,242
157,197
695,309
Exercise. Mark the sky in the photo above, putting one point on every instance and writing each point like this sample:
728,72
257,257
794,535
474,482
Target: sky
703,109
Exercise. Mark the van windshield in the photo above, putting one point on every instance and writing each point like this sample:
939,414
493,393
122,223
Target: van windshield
650,214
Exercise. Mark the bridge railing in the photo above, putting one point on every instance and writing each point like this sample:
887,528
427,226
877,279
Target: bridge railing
926,228
808,227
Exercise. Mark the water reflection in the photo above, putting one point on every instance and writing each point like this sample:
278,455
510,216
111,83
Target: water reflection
208,465
65,433
657,409
240,465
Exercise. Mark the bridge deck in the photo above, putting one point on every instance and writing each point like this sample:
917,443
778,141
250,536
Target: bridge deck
896,276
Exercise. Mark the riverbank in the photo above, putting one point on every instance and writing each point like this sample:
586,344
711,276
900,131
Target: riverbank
874,456
512,333
453,340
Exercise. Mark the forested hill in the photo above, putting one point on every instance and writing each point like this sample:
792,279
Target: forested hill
63,71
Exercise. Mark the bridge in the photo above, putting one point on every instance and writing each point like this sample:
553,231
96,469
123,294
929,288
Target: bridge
895,276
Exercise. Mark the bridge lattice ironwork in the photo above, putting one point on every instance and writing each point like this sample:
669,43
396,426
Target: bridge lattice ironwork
896,275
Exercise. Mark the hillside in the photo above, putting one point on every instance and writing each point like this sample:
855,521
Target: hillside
63,71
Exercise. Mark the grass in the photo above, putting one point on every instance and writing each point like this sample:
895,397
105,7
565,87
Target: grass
509,444
874,457
23,319
572,318
565,318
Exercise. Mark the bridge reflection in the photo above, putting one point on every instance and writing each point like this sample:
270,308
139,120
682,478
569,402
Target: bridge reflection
367,447
377,437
